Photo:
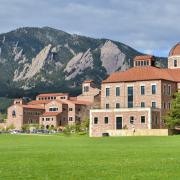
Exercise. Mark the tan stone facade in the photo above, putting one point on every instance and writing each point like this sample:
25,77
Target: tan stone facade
136,118
19,115
136,99
54,109
174,62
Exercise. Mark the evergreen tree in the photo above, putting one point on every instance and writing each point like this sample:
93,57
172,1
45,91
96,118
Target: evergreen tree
173,117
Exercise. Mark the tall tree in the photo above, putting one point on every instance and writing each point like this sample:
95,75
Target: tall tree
173,117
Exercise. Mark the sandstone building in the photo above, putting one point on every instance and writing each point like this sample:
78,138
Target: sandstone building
137,98
54,109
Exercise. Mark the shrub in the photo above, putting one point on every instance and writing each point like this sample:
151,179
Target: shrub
10,127
25,127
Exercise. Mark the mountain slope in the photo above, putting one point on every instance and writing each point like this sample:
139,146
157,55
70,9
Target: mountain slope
34,60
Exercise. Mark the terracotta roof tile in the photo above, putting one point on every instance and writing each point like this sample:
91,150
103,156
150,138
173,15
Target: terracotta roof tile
143,74
175,50
51,114
52,94
144,57
36,102
32,107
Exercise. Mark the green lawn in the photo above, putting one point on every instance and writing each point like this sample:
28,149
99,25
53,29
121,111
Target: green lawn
57,157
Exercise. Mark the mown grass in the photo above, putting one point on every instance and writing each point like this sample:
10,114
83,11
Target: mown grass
57,157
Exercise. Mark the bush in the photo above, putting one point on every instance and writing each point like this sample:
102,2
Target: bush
10,127
25,127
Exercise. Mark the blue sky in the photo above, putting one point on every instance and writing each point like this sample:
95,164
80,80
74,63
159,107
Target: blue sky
149,26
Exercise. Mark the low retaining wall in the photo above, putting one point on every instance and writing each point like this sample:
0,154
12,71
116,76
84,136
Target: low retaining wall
139,132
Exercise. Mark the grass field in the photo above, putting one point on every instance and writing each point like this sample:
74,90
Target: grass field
57,157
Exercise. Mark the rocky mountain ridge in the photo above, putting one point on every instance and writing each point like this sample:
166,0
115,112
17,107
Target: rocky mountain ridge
37,59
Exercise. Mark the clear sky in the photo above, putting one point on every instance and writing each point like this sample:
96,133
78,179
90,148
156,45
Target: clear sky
150,26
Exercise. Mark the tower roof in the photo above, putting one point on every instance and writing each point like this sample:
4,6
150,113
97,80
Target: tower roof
175,51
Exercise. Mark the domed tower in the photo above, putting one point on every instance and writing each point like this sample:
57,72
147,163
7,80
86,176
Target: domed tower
174,57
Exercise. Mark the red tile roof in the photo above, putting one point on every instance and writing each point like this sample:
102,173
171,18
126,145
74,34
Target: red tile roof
143,57
175,50
36,102
52,94
32,107
51,114
143,74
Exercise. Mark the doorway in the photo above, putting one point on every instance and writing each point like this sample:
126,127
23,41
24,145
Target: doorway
118,122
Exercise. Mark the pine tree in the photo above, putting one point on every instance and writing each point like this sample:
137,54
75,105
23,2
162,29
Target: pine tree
172,120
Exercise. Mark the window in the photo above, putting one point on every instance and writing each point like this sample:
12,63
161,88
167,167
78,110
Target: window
131,119
143,119
153,104
153,89
106,120
169,89
86,88
96,120
117,91
117,105
143,104
145,63
156,120
52,109
142,90
169,105
52,119
70,119
175,63
107,91
70,109
164,89
42,119
107,106
164,105
47,119
14,113
141,63
130,97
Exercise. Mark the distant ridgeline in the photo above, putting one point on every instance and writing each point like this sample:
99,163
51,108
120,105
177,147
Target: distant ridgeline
34,60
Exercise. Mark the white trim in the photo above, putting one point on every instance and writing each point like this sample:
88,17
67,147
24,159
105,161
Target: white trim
90,125
121,109
153,84
150,119
130,85
176,56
